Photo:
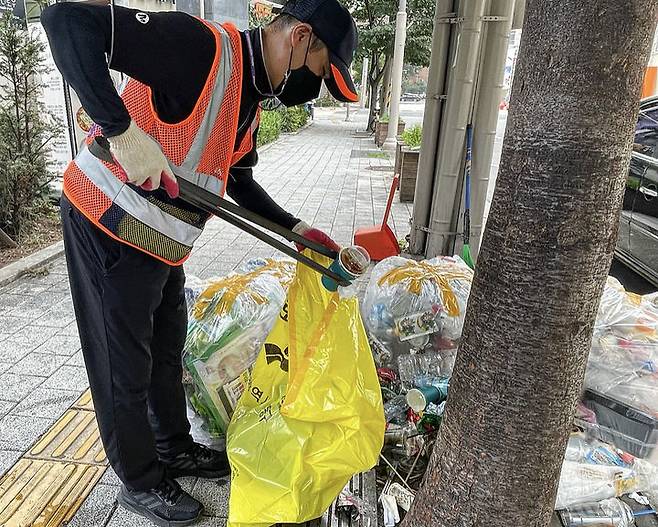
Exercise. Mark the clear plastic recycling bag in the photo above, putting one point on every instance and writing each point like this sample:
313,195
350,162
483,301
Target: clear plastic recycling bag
229,318
623,361
312,416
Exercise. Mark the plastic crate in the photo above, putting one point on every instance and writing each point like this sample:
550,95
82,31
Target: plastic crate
622,425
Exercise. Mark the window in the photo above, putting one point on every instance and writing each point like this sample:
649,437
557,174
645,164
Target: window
646,131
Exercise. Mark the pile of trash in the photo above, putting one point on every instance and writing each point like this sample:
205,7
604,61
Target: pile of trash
228,321
613,453
595,475
414,314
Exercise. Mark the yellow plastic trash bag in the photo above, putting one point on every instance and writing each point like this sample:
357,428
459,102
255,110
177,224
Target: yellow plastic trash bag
312,416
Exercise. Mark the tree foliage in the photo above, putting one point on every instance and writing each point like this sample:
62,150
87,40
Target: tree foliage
376,23
26,127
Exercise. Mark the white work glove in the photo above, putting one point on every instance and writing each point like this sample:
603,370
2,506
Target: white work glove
142,160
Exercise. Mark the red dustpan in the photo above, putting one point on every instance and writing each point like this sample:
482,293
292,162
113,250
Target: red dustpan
379,240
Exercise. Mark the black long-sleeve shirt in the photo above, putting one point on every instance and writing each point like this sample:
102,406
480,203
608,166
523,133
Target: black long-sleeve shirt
172,53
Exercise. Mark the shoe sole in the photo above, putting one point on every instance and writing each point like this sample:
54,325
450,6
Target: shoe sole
154,518
206,474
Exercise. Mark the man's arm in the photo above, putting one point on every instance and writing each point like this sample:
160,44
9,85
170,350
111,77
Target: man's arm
156,53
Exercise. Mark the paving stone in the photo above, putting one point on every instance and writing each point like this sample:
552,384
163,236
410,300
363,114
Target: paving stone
211,521
214,496
110,478
55,319
46,402
9,301
97,508
123,518
71,378
16,387
187,483
18,432
41,364
11,351
12,323
28,286
71,330
76,360
5,407
61,345
31,337
7,460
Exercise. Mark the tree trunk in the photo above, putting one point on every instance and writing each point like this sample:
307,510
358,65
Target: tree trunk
545,255
373,76
6,240
385,93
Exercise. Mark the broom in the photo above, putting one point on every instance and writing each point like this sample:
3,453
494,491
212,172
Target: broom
466,249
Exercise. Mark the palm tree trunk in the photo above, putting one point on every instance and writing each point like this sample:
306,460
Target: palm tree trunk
545,255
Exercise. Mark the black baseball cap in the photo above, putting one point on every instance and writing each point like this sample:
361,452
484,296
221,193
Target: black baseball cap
333,24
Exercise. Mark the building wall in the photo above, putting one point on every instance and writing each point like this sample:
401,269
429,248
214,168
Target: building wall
235,11
148,5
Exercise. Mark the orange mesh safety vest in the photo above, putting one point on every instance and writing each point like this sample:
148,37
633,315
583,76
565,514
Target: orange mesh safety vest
200,149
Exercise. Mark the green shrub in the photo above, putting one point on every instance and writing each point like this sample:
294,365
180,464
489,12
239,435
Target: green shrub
292,119
27,129
413,136
386,118
270,127
325,102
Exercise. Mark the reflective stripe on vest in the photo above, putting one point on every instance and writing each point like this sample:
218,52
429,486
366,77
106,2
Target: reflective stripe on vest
134,204
189,168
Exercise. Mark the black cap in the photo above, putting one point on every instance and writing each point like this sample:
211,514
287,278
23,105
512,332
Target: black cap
334,25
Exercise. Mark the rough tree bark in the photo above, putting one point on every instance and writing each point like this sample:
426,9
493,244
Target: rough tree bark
385,92
542,267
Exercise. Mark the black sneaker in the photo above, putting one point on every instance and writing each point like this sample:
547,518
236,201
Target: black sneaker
199,461
167,505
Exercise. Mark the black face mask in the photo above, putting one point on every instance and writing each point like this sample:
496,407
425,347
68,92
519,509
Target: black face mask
302,86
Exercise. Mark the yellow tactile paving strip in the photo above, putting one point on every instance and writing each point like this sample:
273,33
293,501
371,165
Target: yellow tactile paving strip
48,484
85,402
73,438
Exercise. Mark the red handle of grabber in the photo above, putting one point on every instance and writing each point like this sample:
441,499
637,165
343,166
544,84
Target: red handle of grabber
391,195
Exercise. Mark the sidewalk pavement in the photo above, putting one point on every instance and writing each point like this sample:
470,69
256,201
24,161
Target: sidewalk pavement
328,175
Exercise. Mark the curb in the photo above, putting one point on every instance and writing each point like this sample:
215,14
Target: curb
40,258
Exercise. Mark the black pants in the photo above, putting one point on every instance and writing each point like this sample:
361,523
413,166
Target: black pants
132,320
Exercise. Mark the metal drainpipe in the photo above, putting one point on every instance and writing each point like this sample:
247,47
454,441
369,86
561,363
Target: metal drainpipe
461,83
485,118
434,103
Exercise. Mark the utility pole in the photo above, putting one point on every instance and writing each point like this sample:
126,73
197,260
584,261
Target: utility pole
396,75
364,82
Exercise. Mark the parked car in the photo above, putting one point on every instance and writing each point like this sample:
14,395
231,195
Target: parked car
637,245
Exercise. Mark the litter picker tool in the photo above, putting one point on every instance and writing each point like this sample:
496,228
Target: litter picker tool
236,215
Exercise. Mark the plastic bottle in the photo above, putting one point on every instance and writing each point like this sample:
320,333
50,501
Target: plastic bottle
410,366
607,513
396,408
581,450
